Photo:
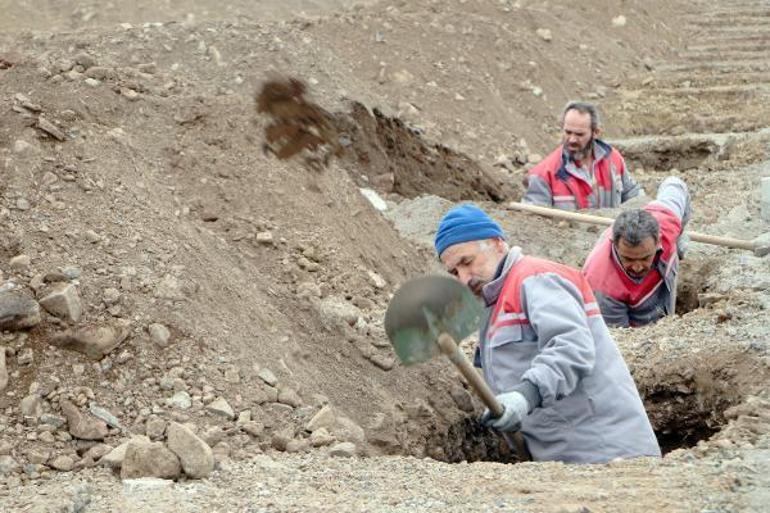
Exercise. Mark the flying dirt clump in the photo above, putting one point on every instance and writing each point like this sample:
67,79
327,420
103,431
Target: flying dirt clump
297,123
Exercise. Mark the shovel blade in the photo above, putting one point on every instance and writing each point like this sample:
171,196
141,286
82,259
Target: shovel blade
425,307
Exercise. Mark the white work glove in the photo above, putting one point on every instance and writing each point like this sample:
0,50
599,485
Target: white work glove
516,407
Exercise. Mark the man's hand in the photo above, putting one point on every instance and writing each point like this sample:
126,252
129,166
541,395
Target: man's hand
516,407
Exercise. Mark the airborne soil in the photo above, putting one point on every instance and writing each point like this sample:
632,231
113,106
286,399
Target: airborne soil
160,272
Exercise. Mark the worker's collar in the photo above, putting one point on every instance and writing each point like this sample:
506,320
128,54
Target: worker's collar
491,290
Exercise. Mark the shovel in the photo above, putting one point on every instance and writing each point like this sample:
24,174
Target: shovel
425,318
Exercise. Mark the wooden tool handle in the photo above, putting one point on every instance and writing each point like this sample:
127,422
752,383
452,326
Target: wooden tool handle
565,215
450,348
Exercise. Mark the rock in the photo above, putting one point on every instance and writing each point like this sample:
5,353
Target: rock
232,375
18,311
155,427
377,280
114,458
338,425
38,456
97,452
85,60
63,301
52,420
170,287
619,21
544,34
111,296
295,446
461,398
5,448
20,262
343,450
47,438
82,426
384,362
253,428
26,356
32,406
130,94
290,397
221,407
21,147
94,341
321,437
335,311
100,73
3,370
374,199
62,463
309,290
265,238
267,376
8,465
159,334
92,82
181,400
103,414
149,459
194,454
51,129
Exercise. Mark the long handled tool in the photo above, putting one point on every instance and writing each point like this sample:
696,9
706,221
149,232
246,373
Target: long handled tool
758,248
425,318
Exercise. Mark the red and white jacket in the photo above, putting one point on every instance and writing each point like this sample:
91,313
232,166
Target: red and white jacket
558,182
544,336
625,301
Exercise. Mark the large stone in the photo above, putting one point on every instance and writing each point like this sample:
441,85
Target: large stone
18,311
195,455
63,463
114,459
94,341
63,301
221,407
83,426
32,406
290,397
343,450
341,427
149,459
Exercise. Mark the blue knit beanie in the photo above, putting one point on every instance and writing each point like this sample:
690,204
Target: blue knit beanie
465,223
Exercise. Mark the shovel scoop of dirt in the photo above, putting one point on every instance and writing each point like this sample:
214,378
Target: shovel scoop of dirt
296,126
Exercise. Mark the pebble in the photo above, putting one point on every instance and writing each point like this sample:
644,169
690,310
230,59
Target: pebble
221,407
18,312
159,334
267,376
63,301
196,457
20,262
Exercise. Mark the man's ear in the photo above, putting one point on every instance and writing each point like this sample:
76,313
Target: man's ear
598,131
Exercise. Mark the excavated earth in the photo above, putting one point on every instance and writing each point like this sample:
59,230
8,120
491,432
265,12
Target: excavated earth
211,285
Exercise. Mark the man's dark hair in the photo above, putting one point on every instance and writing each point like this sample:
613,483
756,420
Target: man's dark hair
583,108
634,226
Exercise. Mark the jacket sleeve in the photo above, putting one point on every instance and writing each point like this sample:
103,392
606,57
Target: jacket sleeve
615,313
674,195
566,348
631,189
538,191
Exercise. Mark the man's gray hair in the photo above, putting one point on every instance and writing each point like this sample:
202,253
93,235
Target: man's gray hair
583,108
634,226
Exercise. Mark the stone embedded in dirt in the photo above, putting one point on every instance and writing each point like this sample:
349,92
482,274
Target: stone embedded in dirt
149,459
267,376
253,428
85,60
97,452
62,463
83,426
8,465
374,199
290,397
336,311
94,341
383,361
265,238
52,420
171,288
63,301
232,375
619,21
159,334
111,296
321,437
341,427
343,450
544,34
51,129
194,454
297,446
104,414
100,73
155,428
130,94
309,290
18,311
181,400
221,407
32,406
141,487
281,439
3,370
20,262
377,280
26,356
114,459
38,456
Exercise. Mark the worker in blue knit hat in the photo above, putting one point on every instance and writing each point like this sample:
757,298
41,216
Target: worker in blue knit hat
544,349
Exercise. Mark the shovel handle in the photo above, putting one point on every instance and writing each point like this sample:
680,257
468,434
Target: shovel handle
450,348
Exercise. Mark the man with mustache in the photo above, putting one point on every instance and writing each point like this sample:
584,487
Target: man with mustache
584,171
544,349
633,267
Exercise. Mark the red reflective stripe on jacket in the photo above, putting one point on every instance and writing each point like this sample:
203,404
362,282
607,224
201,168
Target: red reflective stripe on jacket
509,301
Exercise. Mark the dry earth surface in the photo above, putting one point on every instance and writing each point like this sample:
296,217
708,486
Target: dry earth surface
176,303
